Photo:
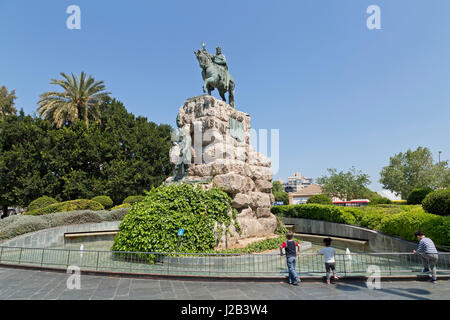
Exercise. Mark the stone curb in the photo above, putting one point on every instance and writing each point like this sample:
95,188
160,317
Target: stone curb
218,278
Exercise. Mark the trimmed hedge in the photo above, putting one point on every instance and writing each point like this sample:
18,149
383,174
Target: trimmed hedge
320,199
394,220
437,202
105,201
74,205
417,195
40,203
314,211
125,205
133,199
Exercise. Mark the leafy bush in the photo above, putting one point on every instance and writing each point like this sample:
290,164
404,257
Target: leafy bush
394,220
379,200
405,224
40,203
105,201
320,199
438,202
152,225
133,199
417,195
73,205
125,205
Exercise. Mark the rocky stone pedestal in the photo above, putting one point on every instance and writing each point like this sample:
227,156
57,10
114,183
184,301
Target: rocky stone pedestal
223,157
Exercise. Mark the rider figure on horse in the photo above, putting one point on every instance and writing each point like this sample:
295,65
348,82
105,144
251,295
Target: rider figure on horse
221,61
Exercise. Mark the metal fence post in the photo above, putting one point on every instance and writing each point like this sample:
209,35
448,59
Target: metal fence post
98,255
68,258
42,257
20,255
1,254
389,265
345,269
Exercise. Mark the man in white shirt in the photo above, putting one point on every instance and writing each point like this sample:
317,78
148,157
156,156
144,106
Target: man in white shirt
330,263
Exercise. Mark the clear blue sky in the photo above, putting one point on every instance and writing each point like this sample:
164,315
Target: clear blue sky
341,95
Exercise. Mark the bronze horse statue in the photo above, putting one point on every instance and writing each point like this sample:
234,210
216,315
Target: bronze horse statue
216,77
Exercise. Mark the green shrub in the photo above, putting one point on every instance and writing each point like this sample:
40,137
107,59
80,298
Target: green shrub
73,205
125,205
417,195
152,225
379,200
394,220
105,201
437,202
315,212
320,199
40,203
133,199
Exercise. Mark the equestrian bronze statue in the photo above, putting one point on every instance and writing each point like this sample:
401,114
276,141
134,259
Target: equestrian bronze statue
215,74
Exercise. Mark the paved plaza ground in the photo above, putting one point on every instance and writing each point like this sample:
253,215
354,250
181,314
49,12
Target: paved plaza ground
17,284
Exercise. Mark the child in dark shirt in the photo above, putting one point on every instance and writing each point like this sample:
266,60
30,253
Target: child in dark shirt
290,247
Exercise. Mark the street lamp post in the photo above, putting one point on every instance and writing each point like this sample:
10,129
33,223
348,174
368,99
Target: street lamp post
440,156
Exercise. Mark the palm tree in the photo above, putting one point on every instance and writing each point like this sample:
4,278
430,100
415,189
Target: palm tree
80,99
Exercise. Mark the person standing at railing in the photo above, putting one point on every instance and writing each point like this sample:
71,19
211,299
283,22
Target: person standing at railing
330,263
290,247
427,250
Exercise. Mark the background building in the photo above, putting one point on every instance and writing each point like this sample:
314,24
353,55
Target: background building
297,182
302,196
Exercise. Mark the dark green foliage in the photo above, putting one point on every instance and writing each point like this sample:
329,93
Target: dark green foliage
67,206
122,156
320,199
133,199
152,225
105,201
417,195
7,102
438,202
394,220
40,203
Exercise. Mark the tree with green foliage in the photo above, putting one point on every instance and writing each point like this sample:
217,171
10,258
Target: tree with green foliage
7,102
320,199
122,156
24,173
344,185
414,169
80,99
279,194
